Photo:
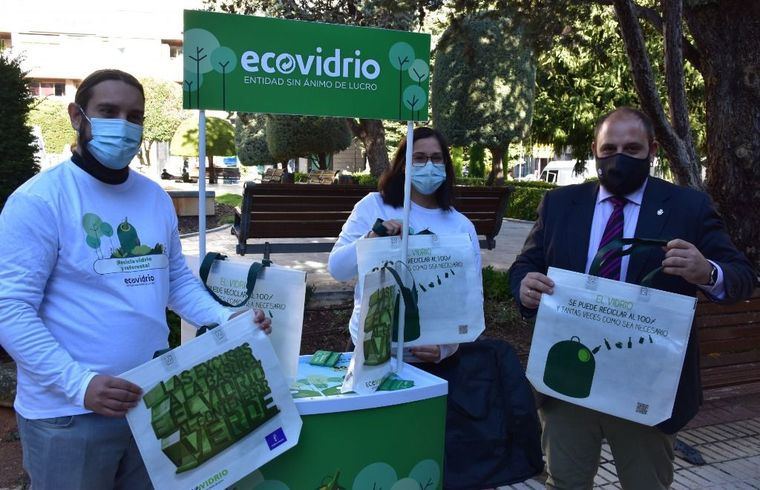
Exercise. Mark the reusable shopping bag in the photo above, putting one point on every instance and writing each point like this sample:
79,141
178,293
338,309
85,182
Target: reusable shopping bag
214,409
279,291
448,289
611,346
383,302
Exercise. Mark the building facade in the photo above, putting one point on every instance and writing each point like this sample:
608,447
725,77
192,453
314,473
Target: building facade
61,42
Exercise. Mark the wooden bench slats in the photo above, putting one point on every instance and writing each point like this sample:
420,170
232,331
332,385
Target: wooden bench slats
710,309
318,210
729,319
299,216
728,375
289,229
729,343
730,331
729,358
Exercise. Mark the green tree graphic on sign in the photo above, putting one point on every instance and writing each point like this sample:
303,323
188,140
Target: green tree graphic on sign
401,56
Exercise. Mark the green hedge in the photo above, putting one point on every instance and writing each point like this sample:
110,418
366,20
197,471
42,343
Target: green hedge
365,179
234,200
496,284
535,184
522,204
472,181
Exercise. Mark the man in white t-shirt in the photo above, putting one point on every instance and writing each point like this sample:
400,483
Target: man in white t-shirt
91,260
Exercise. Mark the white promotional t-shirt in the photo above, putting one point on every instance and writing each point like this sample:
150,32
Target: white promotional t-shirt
88,271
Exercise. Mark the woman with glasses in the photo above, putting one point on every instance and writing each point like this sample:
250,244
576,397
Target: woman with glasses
432,210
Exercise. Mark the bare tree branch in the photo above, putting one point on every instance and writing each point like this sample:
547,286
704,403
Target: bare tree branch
671,31
682,161
690,52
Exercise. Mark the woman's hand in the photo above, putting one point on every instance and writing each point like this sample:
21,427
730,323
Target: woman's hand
393,227
260,320
426,353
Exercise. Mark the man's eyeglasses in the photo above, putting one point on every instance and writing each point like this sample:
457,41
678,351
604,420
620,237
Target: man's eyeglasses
420,159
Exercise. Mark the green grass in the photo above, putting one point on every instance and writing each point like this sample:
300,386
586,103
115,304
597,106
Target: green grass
230,199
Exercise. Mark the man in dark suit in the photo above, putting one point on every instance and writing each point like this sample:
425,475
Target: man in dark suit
573,221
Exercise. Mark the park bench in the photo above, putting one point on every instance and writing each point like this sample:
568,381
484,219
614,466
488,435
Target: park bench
729,344
321,176
317,211
230,175
272,176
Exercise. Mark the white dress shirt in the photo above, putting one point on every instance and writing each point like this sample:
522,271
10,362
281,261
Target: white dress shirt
602,212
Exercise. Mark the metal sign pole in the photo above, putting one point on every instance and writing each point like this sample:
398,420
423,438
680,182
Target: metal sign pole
405,234
201,184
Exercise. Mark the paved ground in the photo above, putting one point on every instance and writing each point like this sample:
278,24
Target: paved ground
726,432
509,241
731,450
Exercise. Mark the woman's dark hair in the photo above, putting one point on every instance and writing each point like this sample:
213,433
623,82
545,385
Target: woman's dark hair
391,184
84,91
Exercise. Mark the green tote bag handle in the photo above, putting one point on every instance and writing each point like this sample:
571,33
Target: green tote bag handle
636,245
253,273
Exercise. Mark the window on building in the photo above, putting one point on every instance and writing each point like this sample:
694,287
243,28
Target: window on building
45,88
5,41
175,47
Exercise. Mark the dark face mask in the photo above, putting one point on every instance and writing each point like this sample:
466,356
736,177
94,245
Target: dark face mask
622,174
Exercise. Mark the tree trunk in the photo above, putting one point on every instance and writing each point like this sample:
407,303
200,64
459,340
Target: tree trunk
372,135
496,177
727,33
144,154
322,161
211,171
682,158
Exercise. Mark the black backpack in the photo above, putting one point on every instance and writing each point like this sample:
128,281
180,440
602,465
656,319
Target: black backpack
492,429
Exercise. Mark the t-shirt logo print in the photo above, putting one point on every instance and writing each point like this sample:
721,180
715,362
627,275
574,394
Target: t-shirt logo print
123,253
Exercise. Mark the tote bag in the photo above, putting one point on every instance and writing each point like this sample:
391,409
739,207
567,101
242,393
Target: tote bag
214,409
611,346
384,301
278,291
448,289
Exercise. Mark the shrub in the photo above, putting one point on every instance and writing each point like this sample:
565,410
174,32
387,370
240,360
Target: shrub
365,179
17,147
496,284
53,119
524,201
472,181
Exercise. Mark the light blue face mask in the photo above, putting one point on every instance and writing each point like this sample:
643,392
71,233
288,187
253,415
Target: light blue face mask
115,142
428,178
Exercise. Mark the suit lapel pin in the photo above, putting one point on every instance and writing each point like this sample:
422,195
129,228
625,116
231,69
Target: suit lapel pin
659,212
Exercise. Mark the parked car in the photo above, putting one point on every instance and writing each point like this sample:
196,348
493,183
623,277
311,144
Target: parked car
561,172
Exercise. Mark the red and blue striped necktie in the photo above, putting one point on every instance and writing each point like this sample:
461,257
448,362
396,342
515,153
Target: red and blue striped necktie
614,229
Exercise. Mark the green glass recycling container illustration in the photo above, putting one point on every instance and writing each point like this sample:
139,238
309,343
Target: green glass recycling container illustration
570,367
378,325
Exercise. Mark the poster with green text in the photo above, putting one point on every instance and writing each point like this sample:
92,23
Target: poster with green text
266,65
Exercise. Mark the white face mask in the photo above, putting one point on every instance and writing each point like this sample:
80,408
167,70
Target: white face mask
428,178
115,142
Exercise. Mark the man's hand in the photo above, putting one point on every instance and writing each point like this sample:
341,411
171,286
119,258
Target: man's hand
110,396
533,285
685,260
426,353
392,225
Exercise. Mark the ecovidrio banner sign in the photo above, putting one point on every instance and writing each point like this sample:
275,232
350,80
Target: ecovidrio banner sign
258,64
